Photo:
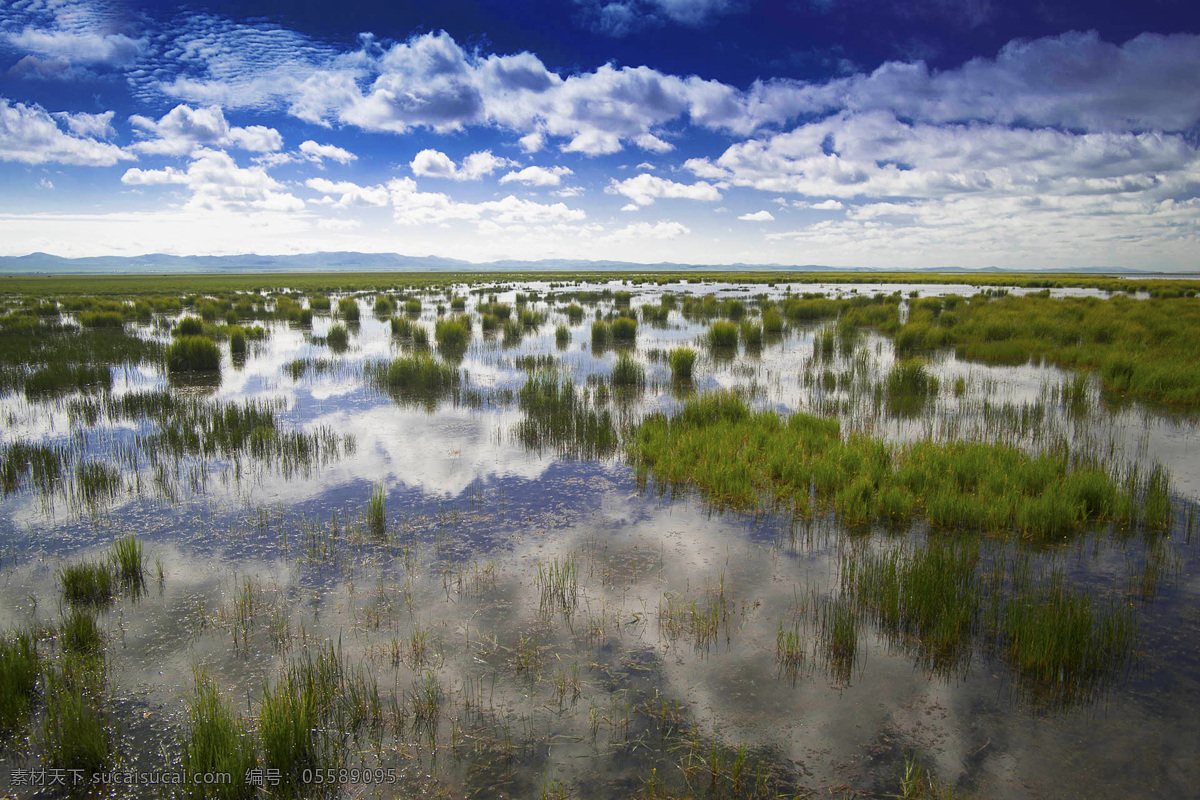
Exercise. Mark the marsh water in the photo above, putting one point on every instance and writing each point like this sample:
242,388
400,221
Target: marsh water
256,555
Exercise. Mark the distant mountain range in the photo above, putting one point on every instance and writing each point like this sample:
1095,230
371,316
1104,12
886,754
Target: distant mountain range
44,263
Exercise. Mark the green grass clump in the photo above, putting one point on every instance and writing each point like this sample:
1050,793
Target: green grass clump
682,360
623,330
189,326
928,598
217,742
80,634
772,322
338,338
574,313
513,333
452,335
559,416
627,373
401,327
412,306
383,307
306,717
746,459
377,512
752,334
421,372
19,668
129,564
101,319
237,341
601,334
562,336
1062,644
87,583
58,377
193,354
75,728
347,309
319,302
909,386
723,335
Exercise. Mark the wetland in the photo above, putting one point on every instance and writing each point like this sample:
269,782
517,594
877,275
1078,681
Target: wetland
601,536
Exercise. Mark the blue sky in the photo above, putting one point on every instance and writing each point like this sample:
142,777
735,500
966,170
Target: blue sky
834,132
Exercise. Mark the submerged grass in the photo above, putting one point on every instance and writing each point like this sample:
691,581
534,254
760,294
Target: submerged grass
20,665
559,416
217,742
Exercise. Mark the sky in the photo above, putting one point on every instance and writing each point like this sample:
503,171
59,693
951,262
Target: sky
860,133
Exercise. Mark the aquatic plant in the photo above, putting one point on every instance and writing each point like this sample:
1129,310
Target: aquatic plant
217,741
347,309
723,335
681,360
627,373
20,665
193,354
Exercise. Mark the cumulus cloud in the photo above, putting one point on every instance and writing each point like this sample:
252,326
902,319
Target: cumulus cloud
824,205
640,231
319,152
217,183
538,176
644,189
88,49
345,194
436,164
30,135
758,216
414,207
183,129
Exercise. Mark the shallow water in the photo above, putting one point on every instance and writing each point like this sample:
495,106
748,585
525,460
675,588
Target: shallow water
534,698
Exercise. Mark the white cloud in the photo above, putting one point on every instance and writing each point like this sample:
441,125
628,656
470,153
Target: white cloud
652,143
217,183
630,207
639,231
538,176
414,207
532,142
436,164
319,152
758,216
644,189
81,124
824,205
183,129
29,135
81,48
345,194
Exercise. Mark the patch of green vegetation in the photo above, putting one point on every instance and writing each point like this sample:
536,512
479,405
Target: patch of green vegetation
623,330
1148,349
682,360
193,354
745,459
75,725
347,309
559,416
20,665
627,373
80,633
601,334
419,377
217,742
87,583
723,335
338,338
